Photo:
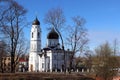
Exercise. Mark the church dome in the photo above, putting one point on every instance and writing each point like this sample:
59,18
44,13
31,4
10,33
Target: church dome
53,34
36,22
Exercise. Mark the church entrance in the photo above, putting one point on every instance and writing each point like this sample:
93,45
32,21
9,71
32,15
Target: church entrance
31,67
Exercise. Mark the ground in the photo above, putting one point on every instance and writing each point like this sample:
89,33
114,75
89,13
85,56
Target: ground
42,76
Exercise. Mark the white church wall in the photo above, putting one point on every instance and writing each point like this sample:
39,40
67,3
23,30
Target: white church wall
58,60
50,55
40,64
33,62
45,62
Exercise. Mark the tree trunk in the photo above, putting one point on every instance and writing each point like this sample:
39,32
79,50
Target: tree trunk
70,66
12,63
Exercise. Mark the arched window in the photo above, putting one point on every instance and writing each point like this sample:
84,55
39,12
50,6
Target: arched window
38,34
32,34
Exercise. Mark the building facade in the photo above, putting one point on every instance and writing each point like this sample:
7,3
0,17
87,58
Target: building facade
50,58
6,64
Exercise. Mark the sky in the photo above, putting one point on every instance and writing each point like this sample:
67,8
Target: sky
102,17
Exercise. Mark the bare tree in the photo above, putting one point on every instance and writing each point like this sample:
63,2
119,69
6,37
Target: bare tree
77,37
106,64
11,23
56,19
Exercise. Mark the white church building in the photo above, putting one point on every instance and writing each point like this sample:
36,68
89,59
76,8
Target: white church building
51,57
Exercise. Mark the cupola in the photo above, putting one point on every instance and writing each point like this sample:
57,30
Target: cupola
53,34
36,22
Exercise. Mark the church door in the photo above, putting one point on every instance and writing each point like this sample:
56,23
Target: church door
31,67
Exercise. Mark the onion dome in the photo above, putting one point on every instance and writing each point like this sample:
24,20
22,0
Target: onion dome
36,22
52,34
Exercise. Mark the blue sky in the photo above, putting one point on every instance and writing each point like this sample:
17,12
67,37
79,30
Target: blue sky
102,17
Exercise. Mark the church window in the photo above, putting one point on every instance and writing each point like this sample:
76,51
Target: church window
4,58
38,34
55,66
32,34
31,58
53,43
62,56
42,65
4,64
35,47
48,65
50,43
54,57
9,58
9,64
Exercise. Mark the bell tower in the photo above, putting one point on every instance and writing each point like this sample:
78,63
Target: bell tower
35,45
